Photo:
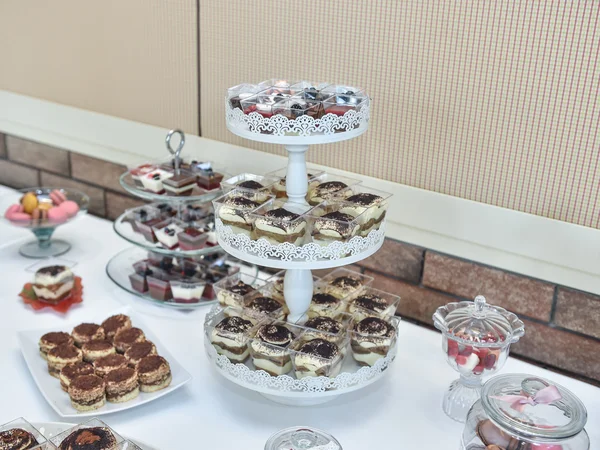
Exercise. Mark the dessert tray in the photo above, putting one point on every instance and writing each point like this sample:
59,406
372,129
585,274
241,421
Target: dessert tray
287,112
287,389
59,400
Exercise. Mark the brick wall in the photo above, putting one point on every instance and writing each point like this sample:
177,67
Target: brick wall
562,324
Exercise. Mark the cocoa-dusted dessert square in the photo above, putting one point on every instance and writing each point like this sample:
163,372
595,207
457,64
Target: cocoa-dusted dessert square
229,334
371,339
270,347
317,358
279,222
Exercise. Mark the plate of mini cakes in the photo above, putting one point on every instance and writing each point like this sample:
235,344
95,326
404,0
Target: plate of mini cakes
101,367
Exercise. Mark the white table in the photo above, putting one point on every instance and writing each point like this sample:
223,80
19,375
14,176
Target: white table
402,412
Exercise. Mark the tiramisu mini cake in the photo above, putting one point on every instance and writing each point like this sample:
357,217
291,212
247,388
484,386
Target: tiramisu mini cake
114,324
324,304
235,210
17,439
343,286
103,366
323,327
277,225
72,371
317,358
87,393
53,283
373,303
87,332
371,339
90,438
332,226
269,348
52,340
325,191
93,350
139,351
230,338
154,373
258,186
126,338
62,355
369,206
231,291
122,385
259,306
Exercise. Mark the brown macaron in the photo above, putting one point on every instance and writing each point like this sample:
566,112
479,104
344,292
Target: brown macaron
103,366
62,355
154,373
122,385
114,324
87,393
97,349
87,332
138,351
126,338
72,371
53,340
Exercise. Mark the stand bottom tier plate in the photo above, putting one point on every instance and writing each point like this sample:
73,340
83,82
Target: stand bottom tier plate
120,267
287,390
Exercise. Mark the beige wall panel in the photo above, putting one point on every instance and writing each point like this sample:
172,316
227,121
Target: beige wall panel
493,101
135,59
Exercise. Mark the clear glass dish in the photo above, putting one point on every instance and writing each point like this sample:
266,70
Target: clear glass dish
519,411
42,210
302,438
476,339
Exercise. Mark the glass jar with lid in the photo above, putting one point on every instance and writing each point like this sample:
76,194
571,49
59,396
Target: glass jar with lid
302,438
524,412
476,339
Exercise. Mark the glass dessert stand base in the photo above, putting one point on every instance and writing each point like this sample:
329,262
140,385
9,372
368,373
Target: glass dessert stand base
120,267
44,246
288,390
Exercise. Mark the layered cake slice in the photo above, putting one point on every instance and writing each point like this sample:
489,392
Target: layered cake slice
230,338
180,184
371,339
373,303
53,283
166,233
368,205
280,225
334,226
153,181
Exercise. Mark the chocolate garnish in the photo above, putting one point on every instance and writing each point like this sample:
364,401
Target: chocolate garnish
52,270
120,375
87,382
65,351
375,326
241,202
275,334
364,199
250,184
328,187
17,439
234,325
151,363
338,216
264,304
77,369
321,298
156,176
86,329
240,288
320,348
346,282
94,438
113,323
57,338
282,214
139,350
371,302
97,345
326,324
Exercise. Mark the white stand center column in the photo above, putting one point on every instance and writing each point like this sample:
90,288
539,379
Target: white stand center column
296,180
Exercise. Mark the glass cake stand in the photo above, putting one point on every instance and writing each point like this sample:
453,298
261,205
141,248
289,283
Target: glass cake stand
43,229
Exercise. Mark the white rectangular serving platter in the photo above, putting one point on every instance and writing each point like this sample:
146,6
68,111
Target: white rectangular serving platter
59,399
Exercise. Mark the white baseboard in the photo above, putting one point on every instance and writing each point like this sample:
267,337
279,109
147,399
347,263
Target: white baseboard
544,248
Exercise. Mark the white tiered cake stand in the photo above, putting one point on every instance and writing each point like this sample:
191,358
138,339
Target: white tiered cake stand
296,135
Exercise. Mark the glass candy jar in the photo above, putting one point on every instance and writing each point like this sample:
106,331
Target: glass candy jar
523,412
476,340
302,438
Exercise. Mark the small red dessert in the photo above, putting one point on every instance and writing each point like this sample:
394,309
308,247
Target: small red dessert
159,287
192,239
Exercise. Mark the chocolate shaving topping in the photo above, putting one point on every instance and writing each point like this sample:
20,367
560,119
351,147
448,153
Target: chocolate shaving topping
128,336
324,299
326,324
346,282
364,199
110,361
151,363
97,345
113,323
338,216
336,221
371,302
52,270
250,184
72,371
374,326
241,202
86,329
87,382
282,214
320,348
275,334
264,304
240,288
120,375
57,338
94,438
139,350
65,351
234,325
328,187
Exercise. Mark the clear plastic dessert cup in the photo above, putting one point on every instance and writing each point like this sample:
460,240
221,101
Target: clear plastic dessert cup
279,222
24,435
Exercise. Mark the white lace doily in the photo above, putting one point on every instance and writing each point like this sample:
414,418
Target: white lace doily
262,252
261,381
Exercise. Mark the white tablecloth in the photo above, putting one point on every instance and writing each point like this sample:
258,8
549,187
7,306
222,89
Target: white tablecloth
401,412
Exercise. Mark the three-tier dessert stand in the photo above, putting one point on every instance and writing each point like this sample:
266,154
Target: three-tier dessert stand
120,266
299,261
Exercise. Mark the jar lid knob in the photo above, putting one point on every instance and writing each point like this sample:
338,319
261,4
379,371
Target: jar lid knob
480,304
304,439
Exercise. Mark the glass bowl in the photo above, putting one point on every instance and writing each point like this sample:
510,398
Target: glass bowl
41,210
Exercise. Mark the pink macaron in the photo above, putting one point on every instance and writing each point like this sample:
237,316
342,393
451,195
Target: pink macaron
57,197
57,215
15,213
70,208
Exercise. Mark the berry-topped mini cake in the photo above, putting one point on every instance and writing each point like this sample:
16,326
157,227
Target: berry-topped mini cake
166,233
230,338
280,225
317,358
269,349
371,339
53,283
153,181
139,172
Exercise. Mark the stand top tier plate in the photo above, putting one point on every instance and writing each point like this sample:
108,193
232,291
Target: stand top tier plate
301,113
